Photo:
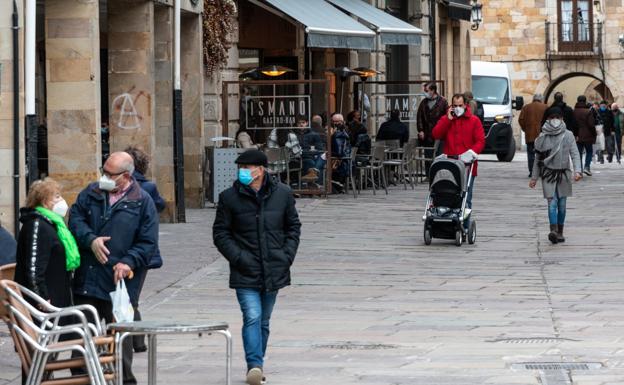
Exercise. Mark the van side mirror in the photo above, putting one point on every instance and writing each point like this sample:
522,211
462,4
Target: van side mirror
518,103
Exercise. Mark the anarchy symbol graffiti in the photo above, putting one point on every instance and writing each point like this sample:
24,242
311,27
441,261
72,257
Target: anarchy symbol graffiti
128,116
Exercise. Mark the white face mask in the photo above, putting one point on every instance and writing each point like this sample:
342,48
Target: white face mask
60,207
106,183
555,122
459,111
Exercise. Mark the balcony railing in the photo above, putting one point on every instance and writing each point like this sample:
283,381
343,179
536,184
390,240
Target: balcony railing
574,39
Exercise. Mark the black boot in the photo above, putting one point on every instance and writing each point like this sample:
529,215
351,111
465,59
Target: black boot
552,236
560,238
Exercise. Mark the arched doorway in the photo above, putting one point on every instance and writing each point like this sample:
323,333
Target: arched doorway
578,83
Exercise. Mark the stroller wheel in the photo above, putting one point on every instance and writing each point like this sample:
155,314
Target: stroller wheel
472,232
427,237
458,238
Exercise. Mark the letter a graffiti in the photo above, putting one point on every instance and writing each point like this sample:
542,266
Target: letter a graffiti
128,115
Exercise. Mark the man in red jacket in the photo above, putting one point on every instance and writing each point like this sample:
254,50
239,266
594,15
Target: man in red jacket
462,134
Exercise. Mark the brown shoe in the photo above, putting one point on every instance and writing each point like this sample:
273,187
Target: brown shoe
311,176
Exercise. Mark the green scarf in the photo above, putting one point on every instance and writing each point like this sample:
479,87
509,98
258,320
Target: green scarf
72,255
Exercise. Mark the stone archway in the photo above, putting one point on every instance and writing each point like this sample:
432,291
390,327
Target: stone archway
597,85
568,69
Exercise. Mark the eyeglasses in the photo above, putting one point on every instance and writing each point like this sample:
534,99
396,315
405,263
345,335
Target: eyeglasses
110,174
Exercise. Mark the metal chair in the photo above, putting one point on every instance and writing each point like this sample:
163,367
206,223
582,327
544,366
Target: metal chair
38,343
404,164
298,169
276,161
376,165
351,161
6,272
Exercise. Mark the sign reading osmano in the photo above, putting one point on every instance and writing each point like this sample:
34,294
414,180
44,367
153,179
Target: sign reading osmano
268,112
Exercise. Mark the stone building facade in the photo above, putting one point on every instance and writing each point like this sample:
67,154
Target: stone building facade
103,61
556,45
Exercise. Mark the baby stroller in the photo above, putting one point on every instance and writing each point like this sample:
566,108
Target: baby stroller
446,213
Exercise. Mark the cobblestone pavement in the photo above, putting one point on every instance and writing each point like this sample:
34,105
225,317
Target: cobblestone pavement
371,304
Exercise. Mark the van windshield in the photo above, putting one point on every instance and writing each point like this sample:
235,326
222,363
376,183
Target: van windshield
490,89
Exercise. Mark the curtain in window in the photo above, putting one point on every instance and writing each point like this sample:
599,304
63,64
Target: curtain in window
583,20
566,20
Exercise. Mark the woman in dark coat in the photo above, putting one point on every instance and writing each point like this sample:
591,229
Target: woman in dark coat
46,250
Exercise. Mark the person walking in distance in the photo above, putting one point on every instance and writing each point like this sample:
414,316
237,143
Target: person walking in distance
585,135
257,230
618,124
530,122
554,148
608,127
430,110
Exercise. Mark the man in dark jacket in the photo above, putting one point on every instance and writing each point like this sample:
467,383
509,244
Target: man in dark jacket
568,113
115,224
257,230
394,129
430,110
585,133
608,126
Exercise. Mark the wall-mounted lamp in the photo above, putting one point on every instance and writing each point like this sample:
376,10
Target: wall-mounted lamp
598,6
476,15
621,42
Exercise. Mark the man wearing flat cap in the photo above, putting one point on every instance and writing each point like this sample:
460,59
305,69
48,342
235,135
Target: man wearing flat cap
257,230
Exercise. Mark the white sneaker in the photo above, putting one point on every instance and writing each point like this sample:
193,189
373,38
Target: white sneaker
254,376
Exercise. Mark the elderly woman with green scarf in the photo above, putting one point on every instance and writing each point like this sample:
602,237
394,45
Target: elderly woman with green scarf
555,152
46,250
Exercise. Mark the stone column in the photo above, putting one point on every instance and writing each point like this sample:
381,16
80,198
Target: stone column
131,74
6,114
162,160
192,117
73,92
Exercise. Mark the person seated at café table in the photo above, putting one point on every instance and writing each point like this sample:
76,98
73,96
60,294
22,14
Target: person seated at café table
313,151
394,129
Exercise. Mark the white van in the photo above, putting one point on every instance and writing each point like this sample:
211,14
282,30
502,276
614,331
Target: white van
491,87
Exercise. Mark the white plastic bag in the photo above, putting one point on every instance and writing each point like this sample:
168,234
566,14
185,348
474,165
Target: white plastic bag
600,138
122,308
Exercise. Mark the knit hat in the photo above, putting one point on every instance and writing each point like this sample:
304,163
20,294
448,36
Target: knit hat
553,111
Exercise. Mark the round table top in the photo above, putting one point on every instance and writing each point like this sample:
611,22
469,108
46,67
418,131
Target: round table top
166,327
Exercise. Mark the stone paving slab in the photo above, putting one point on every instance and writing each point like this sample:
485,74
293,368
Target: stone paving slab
371,304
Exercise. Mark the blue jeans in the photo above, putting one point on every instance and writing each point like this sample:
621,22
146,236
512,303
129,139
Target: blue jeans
469,192
256,306
557,209
589,154
314,162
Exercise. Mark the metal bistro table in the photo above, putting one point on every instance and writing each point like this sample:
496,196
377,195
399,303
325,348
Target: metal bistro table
152,328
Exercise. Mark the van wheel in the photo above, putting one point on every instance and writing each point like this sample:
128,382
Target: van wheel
458,238
427,237
509,155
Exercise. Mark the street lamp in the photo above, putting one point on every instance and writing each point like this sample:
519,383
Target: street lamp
343,73
364,73
476,15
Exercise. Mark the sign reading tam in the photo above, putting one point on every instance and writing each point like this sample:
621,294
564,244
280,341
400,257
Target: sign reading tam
268,112
407,104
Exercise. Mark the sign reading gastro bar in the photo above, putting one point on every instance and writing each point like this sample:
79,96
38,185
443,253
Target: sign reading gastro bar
264,112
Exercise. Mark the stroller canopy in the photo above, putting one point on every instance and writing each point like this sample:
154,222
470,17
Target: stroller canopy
453,170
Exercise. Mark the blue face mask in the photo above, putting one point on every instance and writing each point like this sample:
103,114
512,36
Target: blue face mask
244,176
603,108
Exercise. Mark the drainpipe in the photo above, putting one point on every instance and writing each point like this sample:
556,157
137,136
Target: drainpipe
178,133
16,122
432,38
29,79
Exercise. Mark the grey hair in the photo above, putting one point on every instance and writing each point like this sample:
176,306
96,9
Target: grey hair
538,98
128,165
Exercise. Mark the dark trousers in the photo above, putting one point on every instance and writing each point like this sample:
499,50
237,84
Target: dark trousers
588,148
531,156
105,310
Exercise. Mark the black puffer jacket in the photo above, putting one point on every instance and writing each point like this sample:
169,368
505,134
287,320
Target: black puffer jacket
41,263
258,234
